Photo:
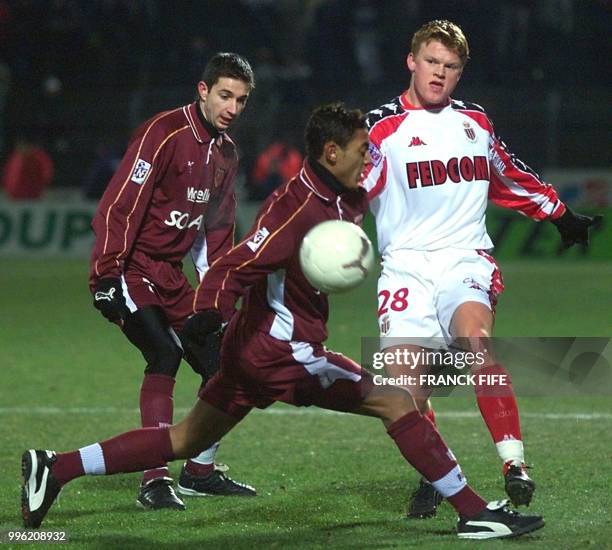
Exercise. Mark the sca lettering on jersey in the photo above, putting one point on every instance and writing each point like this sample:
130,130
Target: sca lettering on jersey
435,172
198,195
258,239
181,220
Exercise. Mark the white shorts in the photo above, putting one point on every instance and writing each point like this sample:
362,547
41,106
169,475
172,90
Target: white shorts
419,291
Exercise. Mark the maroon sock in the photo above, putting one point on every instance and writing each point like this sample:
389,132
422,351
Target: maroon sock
156,409
200,470
422,446
497,404
467,502
68,467
133,451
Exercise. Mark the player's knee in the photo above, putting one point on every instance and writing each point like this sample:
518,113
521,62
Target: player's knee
164,359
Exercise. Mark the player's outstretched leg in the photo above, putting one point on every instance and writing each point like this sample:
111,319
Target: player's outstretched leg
423,447
46,472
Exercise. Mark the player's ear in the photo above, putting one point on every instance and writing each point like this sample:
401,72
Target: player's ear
202,90
410,63
330,152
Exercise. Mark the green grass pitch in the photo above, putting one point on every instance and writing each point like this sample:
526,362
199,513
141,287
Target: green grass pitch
324,480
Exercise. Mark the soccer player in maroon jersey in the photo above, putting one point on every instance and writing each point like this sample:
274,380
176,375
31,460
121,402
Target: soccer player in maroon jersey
272,348
172,194
436,161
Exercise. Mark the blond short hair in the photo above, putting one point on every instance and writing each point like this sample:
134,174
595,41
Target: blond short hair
446,32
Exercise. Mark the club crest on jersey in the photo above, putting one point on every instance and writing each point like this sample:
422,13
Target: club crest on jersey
140,172
385,325
258,239
219,175
375,154
469,132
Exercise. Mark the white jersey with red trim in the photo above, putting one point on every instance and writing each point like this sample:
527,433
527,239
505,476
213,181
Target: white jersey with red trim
432,172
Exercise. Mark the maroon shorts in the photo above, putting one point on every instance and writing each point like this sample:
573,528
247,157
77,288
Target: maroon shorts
151,282
257,370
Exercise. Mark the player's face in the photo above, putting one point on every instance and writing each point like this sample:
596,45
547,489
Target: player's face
435,73
351,160
224,101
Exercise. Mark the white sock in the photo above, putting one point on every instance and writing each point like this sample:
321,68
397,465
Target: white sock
92,459
207,456
511,450
451,483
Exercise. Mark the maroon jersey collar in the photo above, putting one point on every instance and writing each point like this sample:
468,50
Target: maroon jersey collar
311,180
200,132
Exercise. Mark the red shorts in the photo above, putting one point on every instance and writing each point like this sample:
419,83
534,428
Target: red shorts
258,370
149,282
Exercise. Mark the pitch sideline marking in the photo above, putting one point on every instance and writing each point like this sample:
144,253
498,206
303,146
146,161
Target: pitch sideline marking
286,412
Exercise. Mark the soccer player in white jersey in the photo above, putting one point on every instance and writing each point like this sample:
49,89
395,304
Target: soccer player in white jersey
435,164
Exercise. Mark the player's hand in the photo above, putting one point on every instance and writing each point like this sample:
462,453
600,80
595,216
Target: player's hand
109,299
203,323
574,228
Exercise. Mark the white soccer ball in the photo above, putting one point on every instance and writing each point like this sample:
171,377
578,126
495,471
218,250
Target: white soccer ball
336,256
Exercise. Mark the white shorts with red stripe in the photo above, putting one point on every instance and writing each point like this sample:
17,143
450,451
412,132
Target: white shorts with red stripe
419,291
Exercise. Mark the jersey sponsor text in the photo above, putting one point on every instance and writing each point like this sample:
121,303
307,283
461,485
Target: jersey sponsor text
181,220
198,195
435,172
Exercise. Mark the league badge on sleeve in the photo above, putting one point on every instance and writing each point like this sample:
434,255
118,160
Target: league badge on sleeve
257,239
141,170
375,154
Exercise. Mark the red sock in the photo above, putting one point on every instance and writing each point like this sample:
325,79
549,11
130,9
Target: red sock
422,446
497,404
156,409
133,451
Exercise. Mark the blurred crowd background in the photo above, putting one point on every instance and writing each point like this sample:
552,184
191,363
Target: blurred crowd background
77,77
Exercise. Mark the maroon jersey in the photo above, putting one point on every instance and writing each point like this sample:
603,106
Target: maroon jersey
265,267
173,192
